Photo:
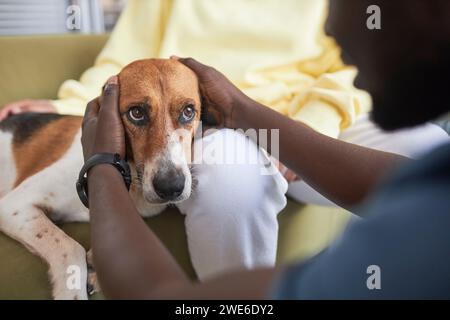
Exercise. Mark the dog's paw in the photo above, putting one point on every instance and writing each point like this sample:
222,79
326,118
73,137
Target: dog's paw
92,281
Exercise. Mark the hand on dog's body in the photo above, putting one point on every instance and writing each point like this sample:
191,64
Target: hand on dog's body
102,127
220,97
27,105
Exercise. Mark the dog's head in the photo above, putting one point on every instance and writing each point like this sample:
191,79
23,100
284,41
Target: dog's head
160,108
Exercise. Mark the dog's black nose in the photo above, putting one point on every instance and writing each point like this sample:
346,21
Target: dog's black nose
169,183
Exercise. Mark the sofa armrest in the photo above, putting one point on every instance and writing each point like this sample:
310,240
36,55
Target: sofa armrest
34,67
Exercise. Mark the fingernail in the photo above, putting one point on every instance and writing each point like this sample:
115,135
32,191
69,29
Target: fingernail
174,57
112,80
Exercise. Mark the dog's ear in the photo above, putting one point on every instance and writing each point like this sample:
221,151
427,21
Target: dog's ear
128,150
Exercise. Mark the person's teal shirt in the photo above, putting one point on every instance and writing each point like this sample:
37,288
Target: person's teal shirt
401,246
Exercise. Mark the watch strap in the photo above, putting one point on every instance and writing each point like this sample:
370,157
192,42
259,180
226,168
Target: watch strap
101,158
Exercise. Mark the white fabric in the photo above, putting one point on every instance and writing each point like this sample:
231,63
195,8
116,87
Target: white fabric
231,217
411,143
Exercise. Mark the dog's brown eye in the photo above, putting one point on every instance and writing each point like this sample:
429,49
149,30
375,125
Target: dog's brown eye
137,115
187,114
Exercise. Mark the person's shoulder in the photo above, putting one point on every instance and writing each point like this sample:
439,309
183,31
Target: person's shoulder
405,223
439,156
418,186
432,167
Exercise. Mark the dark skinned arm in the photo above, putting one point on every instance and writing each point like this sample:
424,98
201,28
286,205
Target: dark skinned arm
343,172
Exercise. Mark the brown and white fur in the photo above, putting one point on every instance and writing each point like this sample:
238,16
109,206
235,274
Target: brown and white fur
41,156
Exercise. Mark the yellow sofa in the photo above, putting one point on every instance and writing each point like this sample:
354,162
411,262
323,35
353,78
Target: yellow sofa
34,67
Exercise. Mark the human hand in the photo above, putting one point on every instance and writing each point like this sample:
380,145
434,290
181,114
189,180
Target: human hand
287,173
220,98
27,105
102,129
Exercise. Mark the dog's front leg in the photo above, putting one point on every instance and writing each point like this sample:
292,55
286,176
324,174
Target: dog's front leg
29,225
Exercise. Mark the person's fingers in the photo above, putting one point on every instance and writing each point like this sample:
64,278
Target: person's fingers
109,104
4,113
290,176
26,106
19,109
15,109
287,173
11,109
17,104
191,63
110,131
92,109
109,118
44,108
89,126
40,105
277,164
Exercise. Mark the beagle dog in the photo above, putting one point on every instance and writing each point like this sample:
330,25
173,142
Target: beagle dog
41,156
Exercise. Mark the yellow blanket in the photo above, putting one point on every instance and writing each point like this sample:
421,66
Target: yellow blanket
276,51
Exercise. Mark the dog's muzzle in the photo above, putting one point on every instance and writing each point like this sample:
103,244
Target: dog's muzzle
169,182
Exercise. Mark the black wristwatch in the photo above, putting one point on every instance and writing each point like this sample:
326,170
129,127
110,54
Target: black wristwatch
101,158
